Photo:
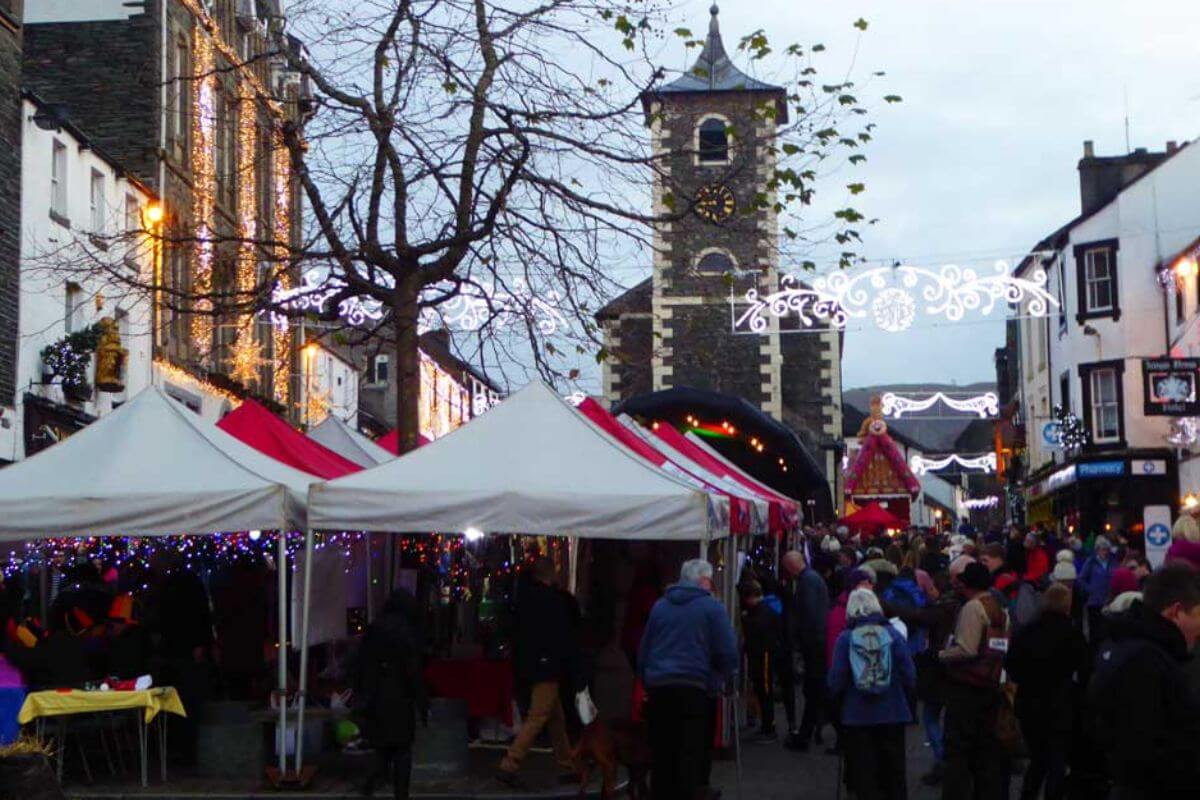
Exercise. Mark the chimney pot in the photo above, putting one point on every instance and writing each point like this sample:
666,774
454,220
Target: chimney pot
1089,149
1172,146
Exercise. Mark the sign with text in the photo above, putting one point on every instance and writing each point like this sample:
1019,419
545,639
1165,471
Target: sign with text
1170,387
1157,520
1101,469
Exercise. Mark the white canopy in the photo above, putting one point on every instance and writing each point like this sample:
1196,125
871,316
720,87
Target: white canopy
533,464
151,467
349,443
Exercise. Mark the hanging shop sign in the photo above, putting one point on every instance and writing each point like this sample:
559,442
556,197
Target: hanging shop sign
1052,435
1100,469
1170,387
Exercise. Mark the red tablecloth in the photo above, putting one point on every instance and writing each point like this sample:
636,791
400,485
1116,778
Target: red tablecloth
486,685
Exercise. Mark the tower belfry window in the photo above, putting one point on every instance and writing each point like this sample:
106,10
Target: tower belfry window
713,141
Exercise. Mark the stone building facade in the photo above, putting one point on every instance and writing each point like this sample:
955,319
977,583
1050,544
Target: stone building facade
10,194
716,126
182,93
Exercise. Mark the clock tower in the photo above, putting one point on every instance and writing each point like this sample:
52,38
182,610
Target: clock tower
716,128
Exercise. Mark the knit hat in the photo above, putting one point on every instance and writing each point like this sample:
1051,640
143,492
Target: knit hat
861,575
976,576
1063,571
1123,580
1121,603
1065,557
1102,543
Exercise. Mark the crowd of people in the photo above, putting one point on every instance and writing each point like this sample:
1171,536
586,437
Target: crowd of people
1061,663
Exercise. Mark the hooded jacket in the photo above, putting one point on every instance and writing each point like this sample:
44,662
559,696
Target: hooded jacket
1147,718
862,708
688,642
1095,579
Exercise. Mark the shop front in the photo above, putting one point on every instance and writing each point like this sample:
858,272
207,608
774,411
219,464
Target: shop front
1104,493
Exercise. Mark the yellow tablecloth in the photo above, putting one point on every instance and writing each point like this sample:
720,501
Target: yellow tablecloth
55,704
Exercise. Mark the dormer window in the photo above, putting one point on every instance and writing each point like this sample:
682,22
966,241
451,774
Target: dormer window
712,143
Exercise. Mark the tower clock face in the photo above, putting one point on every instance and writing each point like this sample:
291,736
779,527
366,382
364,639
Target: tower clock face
715,203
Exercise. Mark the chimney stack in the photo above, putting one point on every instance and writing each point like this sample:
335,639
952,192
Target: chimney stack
1089,149
1172,146
1101,178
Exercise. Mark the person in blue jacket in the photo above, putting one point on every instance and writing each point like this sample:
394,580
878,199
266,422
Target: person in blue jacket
1094,581
688,656
871,677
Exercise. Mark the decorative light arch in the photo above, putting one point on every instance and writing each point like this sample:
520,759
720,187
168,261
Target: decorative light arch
985,463
985,405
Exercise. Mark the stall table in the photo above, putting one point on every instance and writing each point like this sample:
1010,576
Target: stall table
486,685
145,703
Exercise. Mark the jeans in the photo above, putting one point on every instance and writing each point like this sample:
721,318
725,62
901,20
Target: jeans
681,720
762,668
545,711
875,761
931,720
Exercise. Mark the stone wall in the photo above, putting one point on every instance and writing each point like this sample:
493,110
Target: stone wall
10,200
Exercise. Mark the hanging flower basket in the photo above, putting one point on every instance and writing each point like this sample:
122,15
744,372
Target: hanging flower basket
68,360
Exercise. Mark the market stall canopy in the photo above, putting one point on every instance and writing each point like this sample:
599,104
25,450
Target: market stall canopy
741,508
873,517
349,443
271,436
149,468
532,464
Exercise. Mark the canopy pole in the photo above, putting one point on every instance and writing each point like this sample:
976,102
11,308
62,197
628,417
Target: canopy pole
573,550
370,593
281,569
304,607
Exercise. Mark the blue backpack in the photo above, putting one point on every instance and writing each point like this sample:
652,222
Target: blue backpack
905,593
871,658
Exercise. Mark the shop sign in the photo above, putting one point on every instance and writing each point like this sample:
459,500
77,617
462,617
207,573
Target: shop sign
1056,480
1101,469
1154,466
1157,520
1170,387
1052,435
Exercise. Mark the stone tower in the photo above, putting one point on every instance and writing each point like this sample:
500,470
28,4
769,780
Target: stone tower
717,125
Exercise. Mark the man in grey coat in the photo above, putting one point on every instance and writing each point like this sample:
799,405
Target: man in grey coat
805,609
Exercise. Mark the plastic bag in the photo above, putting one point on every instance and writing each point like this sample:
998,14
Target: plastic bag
585,707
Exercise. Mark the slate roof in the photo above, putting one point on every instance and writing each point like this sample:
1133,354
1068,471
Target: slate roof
633,301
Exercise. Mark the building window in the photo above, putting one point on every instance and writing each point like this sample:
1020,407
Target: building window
713,141
1064,391
1061,266
181,100
72,305
1180,301
97,202
1096,264
1106,410
378,373
1103,401
58,180
715,262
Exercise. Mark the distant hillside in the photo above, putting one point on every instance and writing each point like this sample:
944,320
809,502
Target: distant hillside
935,429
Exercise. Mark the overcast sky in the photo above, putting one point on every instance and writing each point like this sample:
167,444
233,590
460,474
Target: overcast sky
980,158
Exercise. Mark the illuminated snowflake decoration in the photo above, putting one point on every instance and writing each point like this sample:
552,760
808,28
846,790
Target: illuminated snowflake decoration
894,310
892,296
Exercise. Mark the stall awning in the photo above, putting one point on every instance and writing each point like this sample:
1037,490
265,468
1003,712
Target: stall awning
390,441
268,434
532,464
740,506
349,443
873,517
151,467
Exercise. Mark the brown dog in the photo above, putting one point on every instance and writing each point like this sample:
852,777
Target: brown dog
604,745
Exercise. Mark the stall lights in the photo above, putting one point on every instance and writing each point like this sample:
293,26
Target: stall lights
473,534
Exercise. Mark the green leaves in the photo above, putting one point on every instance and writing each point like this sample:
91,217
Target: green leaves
891,98
856,188
861,24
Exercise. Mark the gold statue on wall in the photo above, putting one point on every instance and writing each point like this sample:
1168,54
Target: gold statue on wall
110,358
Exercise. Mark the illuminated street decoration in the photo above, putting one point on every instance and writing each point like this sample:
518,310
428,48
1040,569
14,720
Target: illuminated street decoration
978,504
314,293
983,463
892,296
204,186
985,405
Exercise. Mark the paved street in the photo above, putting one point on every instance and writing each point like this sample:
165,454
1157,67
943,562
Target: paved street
773,773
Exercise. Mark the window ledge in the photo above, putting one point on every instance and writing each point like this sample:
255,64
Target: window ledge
1113,313
60,219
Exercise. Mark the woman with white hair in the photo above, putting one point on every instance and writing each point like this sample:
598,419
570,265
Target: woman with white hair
871,676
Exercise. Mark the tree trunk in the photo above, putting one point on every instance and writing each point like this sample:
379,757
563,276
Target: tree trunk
405,314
